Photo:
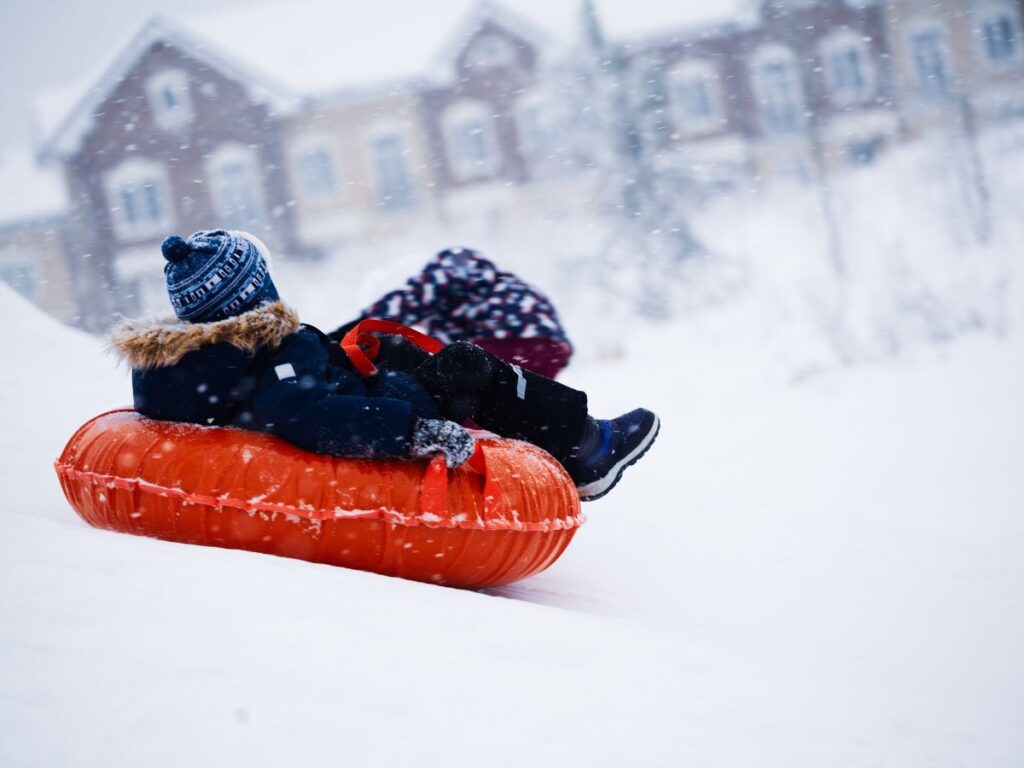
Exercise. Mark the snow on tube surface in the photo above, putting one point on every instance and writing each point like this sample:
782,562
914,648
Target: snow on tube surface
508,516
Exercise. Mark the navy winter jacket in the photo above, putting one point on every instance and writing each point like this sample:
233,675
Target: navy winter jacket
264,371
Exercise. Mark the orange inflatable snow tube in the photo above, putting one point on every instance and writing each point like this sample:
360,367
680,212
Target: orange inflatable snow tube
507,516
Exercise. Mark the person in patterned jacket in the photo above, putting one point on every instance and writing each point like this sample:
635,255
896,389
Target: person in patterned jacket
461,296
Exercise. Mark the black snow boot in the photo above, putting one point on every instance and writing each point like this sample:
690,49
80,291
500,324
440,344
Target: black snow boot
607,448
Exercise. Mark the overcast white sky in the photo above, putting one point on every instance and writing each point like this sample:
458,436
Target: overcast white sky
49,43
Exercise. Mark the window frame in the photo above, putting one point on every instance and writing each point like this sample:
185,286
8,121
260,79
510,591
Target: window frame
383,198
533,130
453,120
501,55
986,11
774,54
916,29
688,71
164,117
130,177
225,156
300,150
837,43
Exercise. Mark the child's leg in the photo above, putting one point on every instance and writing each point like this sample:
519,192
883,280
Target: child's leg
470,383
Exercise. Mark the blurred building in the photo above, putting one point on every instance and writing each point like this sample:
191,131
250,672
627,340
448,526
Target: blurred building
956,61
775,93
33,235
323,129
172,136
357,164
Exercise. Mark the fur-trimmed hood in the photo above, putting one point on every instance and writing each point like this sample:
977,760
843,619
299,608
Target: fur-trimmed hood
155,344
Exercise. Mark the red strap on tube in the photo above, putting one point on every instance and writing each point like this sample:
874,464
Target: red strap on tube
434,488
494,497
362,347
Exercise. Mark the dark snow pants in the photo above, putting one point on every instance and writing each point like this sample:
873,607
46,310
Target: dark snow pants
469,383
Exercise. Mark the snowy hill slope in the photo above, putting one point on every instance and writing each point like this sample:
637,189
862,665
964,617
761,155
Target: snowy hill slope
819,575
52,377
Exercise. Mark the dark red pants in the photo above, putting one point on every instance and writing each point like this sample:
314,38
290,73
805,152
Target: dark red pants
544,356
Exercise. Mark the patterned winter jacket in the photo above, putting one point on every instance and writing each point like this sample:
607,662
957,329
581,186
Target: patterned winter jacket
263,370
460,296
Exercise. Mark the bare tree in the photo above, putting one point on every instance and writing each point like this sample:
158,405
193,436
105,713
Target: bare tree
645,196
971,173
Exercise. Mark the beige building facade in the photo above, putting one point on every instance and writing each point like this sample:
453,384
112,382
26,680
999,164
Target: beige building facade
956,60
358,166
33,261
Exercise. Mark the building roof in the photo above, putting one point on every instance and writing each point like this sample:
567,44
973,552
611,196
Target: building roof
63,117
314,46
317,47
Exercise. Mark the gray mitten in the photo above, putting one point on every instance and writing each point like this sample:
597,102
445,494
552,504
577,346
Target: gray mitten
431,436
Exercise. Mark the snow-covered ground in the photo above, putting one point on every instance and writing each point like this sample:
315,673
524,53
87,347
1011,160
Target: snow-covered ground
819,564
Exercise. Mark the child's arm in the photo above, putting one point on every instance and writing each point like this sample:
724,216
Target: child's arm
295,400
317,420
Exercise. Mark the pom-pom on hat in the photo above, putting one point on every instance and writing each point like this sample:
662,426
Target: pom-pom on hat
216,274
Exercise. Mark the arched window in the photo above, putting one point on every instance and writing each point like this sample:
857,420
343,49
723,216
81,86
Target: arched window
236,187
490,51
533,128
849,68
170,102
695,97
998,27
470,141
930,61
315,168
138,197
389,164
776,80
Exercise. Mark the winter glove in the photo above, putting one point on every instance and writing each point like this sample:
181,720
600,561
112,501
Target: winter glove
431,436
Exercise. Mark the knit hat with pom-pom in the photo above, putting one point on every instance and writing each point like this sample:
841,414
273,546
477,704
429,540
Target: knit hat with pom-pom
216,274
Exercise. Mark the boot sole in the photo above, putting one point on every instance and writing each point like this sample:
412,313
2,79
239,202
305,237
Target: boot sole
595,490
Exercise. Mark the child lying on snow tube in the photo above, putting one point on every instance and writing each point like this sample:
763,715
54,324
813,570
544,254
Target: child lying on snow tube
239,357
460,296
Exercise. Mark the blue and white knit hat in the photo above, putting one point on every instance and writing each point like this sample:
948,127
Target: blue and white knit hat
216,274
